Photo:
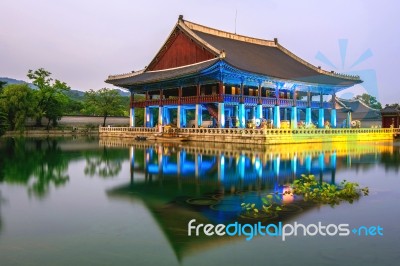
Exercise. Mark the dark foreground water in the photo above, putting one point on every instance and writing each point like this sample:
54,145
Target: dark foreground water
85,202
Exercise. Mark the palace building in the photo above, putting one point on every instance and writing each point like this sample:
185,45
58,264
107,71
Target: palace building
391,117
234,79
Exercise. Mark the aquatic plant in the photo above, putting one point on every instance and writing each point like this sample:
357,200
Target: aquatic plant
310,189
270,207
322,192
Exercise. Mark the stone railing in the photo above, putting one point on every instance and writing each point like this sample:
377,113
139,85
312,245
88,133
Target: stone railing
275,131
128,129
286,102
301,103
269,101
232,98
250,131
257,136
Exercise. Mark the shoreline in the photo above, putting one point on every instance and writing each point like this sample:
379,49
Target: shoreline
52,132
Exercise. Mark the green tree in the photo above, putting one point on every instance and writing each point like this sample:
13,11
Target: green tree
50,100
3,116
73,107
3,123
38,164
16,102
369,100
104,102
2,85
105,165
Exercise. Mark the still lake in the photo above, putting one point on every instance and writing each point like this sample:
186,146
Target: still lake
86,201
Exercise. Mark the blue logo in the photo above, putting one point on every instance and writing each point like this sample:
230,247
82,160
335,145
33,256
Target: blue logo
370,84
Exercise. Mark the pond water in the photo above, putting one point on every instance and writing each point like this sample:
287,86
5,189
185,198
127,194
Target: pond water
85,201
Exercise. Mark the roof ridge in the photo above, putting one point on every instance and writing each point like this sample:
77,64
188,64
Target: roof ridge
233,36
180,24
229,35
365,104
125,75
340,101
360,101
172,68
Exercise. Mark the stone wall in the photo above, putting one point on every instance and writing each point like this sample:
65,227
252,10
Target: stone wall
257,136
82,121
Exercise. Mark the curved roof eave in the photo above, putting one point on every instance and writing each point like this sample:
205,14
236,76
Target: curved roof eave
163,75
321,77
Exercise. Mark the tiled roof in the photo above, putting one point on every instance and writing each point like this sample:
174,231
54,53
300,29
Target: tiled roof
359,109
270,61
391,110
253,55
159,75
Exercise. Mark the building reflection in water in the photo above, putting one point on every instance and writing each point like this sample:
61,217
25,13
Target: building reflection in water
209,183
229,171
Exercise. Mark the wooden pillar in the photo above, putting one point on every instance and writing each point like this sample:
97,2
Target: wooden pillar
321,100
277,94
132,111
178,116
333,111
294,111
321,113
220,91
198,93
334,100
241,92
221,115
241,108
277,112
179,95
161,97
294,97
132,99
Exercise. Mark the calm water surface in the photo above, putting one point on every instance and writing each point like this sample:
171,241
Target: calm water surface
83,201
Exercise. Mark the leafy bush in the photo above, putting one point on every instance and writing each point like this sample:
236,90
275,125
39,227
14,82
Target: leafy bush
323,192
3,123
311,190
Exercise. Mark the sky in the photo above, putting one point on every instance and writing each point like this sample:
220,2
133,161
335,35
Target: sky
81,42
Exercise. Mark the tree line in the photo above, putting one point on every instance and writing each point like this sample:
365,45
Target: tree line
50,100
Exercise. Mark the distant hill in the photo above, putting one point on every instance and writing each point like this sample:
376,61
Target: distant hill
74,94
124,93
16,81
78,95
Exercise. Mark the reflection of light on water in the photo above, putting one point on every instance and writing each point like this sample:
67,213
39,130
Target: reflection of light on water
257,164
209,182
247,168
